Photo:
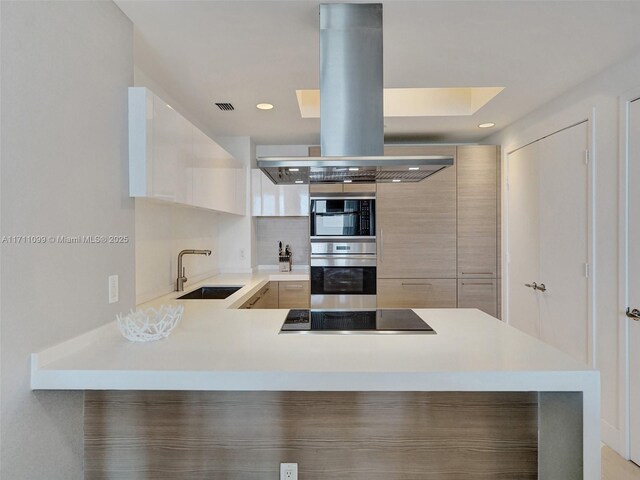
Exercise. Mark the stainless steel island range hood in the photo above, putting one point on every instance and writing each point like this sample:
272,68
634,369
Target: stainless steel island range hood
351,109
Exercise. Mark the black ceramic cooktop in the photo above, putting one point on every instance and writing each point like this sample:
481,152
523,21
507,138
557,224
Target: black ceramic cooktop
355,321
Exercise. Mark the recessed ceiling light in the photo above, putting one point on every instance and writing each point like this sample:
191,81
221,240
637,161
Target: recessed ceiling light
294,169
396,180
354,169
299,181
487,125
348,181
414,168
264,106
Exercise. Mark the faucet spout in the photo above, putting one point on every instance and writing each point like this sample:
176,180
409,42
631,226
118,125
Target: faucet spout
182,278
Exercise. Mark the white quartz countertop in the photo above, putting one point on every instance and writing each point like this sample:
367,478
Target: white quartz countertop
217,347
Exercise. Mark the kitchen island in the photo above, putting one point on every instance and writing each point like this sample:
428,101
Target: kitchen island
234,364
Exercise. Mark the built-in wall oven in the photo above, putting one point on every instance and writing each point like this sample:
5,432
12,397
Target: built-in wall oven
343,274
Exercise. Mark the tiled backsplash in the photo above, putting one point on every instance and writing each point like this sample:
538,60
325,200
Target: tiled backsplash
293,231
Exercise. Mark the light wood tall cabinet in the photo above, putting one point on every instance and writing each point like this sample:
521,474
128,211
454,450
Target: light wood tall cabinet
416,237
438,239
476,168
478,188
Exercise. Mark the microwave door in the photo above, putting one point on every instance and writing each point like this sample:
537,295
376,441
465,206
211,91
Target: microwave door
336,224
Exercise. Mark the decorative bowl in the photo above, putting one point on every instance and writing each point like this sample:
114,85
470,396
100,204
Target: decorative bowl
150,324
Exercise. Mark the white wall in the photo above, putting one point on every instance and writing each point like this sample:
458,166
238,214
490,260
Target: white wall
598,96
66,67
162,230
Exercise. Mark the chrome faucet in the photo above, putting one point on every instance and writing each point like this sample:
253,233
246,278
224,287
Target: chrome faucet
181,273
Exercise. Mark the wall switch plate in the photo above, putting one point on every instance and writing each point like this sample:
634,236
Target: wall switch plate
114,293
288,471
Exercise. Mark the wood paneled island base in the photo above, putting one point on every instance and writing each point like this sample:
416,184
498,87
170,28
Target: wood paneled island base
347,435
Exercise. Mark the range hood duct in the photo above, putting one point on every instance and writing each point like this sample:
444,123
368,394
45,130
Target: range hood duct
351,108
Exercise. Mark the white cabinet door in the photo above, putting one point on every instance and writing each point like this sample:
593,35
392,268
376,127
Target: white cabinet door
165,151
170,159
270,200
633,269
215,175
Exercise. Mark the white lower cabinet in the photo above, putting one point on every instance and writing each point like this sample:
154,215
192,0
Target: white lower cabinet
170,159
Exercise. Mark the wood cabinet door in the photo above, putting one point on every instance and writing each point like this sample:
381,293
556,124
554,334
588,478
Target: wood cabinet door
325,188
416,293
476,168
480,293
416,227
293,294
368,188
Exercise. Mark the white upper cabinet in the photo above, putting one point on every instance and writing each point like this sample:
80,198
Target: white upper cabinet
269,200
170,159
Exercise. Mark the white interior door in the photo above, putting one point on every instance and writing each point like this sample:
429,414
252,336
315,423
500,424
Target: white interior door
548,240
564,313
524,239
634,278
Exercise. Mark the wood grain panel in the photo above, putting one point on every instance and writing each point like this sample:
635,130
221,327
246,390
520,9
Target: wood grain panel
266,297
293,295
478,293
359,188
477,211
416,293
348,435
416,227
325,188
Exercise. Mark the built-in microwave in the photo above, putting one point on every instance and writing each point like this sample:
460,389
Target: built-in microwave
342,217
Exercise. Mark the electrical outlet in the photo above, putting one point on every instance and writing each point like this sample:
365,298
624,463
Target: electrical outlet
114,293
242,253
288,471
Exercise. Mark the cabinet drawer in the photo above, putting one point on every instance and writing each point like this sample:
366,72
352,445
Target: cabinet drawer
416,293
267,297
293,294
480,293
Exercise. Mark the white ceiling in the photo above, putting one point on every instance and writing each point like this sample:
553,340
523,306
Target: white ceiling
250,52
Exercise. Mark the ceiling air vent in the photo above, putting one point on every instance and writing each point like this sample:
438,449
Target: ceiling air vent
227,107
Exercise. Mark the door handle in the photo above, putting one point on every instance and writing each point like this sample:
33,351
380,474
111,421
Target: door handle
634,314
542,287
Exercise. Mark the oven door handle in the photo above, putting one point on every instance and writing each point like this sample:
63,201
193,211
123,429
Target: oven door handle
344,262
367,256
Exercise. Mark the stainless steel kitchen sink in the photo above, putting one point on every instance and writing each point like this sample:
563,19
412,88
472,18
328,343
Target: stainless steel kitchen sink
211,293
